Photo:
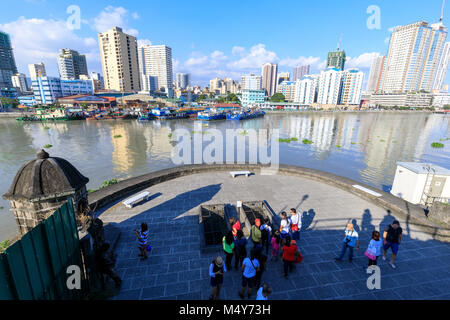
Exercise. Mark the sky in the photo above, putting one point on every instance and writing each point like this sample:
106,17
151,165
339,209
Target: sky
215,38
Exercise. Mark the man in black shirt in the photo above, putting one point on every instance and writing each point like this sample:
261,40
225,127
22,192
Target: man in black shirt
392,239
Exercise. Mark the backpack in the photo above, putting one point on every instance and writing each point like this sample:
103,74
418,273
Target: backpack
264,234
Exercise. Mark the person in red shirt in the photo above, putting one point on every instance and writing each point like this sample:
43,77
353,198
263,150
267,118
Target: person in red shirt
235,226
289,255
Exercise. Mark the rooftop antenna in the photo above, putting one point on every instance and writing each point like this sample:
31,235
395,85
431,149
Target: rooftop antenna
340,40
442,11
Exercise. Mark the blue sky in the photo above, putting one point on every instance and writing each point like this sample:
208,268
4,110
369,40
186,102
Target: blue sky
208,38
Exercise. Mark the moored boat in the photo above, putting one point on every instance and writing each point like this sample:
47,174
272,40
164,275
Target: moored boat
212,114
245,114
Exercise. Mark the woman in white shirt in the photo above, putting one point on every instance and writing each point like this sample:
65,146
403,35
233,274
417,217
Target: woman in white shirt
284,226
296,224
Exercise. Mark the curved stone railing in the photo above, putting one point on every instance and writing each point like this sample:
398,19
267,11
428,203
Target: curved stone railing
412,213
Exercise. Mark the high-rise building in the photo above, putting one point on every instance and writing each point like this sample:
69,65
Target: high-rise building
299,72
442,68
269,78
351,86
71,64
376,71
215,84
7,62
306,89
413,57
283,76
183,80
118,52
231,86
98,81
251,82
156,61
329,86
336,59
287,89
47,89
37,70
19,81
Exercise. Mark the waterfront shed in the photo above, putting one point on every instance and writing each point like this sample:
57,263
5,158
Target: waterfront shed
421,183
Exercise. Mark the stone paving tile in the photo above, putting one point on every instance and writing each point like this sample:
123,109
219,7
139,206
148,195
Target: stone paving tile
177,270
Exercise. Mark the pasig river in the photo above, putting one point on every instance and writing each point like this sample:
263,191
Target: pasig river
363,146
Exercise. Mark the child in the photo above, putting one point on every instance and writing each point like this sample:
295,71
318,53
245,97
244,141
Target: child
374,249
276,242
142,236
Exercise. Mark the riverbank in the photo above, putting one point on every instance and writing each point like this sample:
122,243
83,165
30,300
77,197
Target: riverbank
14,114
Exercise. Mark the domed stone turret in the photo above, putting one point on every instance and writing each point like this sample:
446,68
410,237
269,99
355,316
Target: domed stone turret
41,186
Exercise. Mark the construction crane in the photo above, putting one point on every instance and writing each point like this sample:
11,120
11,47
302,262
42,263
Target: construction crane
340,41
442,11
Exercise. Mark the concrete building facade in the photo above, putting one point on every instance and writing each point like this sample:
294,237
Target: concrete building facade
269,78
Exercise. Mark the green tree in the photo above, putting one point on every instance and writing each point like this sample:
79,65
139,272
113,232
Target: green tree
9,102
277,97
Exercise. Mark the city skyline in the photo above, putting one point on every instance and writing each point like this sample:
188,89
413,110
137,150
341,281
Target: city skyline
230,54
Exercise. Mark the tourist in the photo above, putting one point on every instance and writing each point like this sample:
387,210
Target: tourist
249,268
289,255
142,236
276,243
284,227
262,259
105,262
266,231
216,271
392,239
374,248
228,248
256,233
240,249
351,241
235,226
296,224
264,292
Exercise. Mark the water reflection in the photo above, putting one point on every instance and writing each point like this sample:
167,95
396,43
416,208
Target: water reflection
361,146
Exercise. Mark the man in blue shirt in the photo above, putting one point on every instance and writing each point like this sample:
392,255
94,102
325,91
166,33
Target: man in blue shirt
264,292
351,241
249,268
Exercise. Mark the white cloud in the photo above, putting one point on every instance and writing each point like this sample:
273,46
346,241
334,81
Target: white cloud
144,42
36,40
363,61
115,17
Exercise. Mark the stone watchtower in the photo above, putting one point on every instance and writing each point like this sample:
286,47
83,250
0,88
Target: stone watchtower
41,186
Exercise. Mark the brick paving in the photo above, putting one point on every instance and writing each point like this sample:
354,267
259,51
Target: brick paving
177,270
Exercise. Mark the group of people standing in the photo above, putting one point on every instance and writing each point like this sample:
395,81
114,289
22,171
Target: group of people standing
263,237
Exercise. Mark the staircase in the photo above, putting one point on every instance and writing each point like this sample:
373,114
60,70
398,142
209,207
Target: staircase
426,200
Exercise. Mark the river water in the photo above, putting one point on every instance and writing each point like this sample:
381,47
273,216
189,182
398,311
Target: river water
361,146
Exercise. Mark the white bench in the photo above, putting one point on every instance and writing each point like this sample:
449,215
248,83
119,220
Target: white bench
237,173
129,203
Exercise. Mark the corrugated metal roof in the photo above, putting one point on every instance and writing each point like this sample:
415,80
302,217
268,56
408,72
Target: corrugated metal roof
421,168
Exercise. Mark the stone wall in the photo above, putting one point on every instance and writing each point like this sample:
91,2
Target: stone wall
440,213
413,213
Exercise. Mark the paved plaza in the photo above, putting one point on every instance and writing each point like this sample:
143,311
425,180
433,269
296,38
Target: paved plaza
176,269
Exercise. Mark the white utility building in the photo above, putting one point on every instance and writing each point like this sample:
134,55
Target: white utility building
421,183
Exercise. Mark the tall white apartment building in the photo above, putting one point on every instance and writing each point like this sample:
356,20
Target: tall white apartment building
118,53
215,84
251,82
376,71
19,80
287,88
71,64
351,86
37,70
306,89
442,68
269,78
231,86
299,72
329,86
156,61
413,57
183,80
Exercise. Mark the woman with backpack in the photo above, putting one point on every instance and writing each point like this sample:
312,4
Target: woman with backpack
240,249
249,268
228,248
374,249
266,230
